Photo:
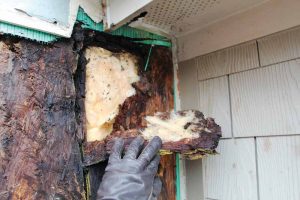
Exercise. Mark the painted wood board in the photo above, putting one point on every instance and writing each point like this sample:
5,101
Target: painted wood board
266,101
12,15
279,47
52,11
120,12
232,174
188,84
234,59
279,167
214,102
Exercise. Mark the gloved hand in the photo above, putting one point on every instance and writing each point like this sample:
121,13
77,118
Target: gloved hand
133,176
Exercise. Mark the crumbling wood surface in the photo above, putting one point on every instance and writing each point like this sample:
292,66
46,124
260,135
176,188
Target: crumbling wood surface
153,93
39,153
205,142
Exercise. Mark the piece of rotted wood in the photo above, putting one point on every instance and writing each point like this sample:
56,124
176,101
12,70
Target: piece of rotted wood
186,132
39,152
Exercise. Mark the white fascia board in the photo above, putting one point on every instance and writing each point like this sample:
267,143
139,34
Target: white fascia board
22,19
11,15
118,12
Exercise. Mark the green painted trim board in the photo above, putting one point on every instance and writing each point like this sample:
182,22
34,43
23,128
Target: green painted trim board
26,33
126,31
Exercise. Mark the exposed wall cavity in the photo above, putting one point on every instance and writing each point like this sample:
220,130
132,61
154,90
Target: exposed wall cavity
109,79
153,93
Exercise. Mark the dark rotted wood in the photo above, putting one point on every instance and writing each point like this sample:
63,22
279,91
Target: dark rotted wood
153,93
39,153
208,132
167,172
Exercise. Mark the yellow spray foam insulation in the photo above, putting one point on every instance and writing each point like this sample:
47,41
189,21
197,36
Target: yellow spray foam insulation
173,128
109,79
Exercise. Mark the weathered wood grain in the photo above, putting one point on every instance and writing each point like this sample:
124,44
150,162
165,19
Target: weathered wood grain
39,153
230,60
279,47
232,174
266,101
279,167
214,102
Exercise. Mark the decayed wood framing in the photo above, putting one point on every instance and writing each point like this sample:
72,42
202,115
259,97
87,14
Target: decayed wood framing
39,153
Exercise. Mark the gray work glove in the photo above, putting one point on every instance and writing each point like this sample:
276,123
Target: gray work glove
133,176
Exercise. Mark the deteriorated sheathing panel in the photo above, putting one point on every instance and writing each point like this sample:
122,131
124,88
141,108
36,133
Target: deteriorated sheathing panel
39,153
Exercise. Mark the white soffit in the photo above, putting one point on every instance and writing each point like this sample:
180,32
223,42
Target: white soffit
180,17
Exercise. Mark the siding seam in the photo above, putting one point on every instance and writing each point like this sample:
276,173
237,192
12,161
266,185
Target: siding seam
230,107
256,166
266,136
260,67
280,62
